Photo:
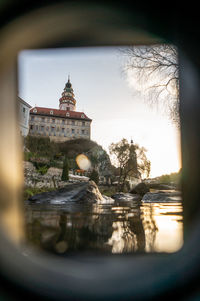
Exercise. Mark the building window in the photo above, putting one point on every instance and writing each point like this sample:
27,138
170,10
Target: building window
67,114
47,128
82,116
35,110
51,112
83,123
24,110
73,123
42,128
52,128
53,120
31,127
63,121
73,131
32,117
63,130
83,132
43,119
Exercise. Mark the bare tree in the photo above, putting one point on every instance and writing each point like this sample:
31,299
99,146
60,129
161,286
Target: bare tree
155,69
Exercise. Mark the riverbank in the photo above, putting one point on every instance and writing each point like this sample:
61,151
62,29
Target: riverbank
78,218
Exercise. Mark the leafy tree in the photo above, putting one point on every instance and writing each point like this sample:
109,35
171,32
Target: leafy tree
130,160
155,69
94,176
65,172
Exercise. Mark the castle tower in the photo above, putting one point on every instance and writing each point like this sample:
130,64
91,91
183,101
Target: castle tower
133,158
67,101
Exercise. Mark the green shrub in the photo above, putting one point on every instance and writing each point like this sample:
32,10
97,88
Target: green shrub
43,169
27,156
94,176
65,172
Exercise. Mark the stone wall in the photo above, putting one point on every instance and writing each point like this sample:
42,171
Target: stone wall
52,179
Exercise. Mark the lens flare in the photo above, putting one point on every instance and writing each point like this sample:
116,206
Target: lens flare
83,162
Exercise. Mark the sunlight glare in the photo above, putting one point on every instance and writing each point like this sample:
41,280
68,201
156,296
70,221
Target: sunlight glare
83,162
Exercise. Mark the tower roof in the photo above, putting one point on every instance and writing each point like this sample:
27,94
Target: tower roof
68,84
68,94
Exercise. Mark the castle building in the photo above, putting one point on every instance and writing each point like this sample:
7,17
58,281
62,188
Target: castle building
60,124
23,116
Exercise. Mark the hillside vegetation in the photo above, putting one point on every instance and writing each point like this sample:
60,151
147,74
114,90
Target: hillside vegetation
45,153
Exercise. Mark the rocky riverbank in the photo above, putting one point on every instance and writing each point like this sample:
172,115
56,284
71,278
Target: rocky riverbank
89,192
77,192
50,180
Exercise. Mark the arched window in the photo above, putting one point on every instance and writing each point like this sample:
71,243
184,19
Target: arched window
35,110
51,112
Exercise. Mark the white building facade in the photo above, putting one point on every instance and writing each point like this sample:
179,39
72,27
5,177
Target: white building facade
23,116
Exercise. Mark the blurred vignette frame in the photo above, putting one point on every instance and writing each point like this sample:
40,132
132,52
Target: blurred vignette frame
97,24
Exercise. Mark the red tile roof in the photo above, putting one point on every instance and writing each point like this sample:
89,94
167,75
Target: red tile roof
59,113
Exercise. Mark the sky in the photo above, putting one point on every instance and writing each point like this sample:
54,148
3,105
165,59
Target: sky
105,94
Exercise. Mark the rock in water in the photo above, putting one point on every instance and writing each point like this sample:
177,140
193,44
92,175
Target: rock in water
125,197
140,189
162,197
83,192
159,186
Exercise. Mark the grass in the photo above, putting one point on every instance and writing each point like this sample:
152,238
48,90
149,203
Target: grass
30,191
108,190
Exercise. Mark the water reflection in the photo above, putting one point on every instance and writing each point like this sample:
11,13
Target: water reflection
163,224
118,228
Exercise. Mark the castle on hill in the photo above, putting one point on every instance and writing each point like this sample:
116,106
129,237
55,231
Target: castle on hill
60,124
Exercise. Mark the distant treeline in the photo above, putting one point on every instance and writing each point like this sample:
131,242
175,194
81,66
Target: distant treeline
174,177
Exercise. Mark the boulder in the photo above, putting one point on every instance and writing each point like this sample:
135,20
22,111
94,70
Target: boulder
28,166
79,192
140,189
125,197
162,197
160,186
52,171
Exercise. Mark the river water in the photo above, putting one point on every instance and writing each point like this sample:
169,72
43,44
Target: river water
126,227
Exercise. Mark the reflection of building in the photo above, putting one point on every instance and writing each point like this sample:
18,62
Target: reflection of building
60,124
23,115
